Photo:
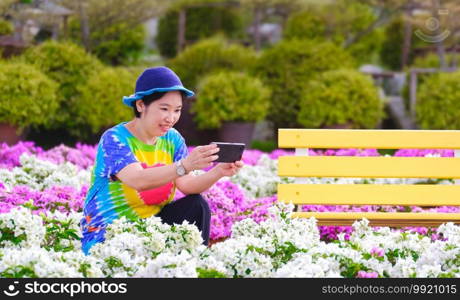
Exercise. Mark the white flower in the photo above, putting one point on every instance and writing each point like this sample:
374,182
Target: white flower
34,261
168,265
182,237
19,228
304,265
241,258
39,174
451,232
404,268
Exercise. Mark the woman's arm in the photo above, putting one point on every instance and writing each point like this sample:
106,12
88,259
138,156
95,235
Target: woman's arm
135,176
198,184
140,179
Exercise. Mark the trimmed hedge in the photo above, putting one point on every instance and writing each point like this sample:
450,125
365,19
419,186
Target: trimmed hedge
126,45
286,69
67,64
340,97
99,103
115,45
305,25
428,61
230,96
210,55
27,96
438,102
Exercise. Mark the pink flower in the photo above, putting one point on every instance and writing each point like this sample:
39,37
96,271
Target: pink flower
364,274
61,198
377,251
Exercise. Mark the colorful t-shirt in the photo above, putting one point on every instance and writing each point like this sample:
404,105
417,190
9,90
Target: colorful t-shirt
108,198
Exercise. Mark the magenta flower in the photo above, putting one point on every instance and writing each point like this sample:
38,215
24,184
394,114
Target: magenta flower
61,198
9,155
364,274
377,251
424,152
82,156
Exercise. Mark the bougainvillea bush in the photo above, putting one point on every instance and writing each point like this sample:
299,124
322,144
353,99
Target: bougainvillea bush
42,195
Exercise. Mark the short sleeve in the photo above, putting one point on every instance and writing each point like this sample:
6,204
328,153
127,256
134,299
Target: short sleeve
180,149
116,153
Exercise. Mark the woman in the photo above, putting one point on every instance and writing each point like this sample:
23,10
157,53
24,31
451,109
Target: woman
140,163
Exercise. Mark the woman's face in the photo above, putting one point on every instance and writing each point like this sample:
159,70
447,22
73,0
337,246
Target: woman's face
162,114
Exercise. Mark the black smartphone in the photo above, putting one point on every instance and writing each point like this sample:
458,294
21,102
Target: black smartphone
229,152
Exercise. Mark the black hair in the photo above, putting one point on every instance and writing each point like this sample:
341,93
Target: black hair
148,99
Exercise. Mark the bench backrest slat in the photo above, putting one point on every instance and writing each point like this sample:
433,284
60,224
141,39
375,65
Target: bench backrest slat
366,138
370,194
369,167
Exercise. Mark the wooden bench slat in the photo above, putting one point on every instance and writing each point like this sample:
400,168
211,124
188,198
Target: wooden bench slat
382,218
369,167
370,194
368,138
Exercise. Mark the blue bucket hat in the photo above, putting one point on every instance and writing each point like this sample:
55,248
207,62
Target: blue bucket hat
153,80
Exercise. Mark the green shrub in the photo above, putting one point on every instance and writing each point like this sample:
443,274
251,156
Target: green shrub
67,64
340,97
27,96
265,146
286,69
432,60
230,96
115,45
210,55
127,45
201,22
366,50
428,61
5,27
392,45
99,103
351,19
438,102
305,25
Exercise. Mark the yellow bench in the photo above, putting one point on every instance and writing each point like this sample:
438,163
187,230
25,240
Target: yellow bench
426,195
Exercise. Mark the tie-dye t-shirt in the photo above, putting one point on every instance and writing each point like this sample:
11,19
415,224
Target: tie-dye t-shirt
108,198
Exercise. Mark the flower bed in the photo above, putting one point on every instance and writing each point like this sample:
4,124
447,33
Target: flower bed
42,193
48,246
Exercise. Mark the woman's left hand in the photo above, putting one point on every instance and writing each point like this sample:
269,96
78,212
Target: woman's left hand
229,169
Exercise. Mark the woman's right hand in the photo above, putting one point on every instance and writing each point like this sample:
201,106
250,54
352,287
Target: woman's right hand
201,157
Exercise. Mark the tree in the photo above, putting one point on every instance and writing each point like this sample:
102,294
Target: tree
6,6
340,22
282,8
101,15
185,24
436,24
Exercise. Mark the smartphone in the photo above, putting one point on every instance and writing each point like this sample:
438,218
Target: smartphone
229,152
